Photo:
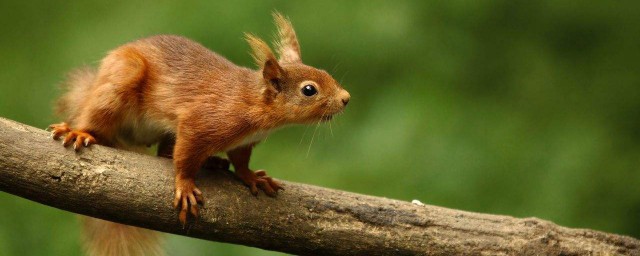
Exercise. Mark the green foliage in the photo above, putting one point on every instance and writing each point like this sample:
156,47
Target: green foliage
524,108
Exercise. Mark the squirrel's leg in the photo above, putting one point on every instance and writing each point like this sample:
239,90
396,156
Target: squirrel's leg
188,156
240,159
104,104
86,131
165,149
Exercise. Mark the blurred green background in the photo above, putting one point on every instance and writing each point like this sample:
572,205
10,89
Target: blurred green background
523,108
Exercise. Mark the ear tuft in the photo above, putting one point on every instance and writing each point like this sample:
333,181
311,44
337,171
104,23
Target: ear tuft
260,51
287,41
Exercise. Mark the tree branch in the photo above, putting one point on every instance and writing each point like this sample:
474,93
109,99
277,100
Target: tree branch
137,190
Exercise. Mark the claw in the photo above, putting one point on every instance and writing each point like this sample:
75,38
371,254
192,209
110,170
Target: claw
67,139
187,199
194,204
200,199
78,138
254,189
261,180
183,213
58,130
266,187
176,200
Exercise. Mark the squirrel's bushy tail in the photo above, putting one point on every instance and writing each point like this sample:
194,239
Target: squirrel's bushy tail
102,238
109,238
77,88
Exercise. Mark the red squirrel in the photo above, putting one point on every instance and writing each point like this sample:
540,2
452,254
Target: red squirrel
170,90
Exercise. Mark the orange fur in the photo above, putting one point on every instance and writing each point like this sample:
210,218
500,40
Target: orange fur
172,90
114,239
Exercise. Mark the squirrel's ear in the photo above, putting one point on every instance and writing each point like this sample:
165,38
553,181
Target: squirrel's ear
287,42
263,56
273,73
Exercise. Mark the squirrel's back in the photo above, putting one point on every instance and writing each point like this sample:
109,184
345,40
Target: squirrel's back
156,76
172,54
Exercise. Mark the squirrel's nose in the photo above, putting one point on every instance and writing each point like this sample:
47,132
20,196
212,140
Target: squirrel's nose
345,98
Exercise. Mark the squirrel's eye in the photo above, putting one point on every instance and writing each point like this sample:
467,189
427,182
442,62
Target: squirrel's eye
309,90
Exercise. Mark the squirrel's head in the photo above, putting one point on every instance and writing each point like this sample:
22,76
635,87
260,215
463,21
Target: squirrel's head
301,93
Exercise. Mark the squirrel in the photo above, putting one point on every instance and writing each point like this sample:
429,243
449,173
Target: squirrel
194,103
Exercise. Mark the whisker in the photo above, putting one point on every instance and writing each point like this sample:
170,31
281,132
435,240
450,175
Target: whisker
314,133
342,77
331,129
312,137
306,128
335,67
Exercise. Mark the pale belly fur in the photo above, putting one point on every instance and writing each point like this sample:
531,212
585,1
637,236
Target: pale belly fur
144,132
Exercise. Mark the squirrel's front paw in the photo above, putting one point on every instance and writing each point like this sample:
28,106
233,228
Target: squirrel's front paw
187,194
259,179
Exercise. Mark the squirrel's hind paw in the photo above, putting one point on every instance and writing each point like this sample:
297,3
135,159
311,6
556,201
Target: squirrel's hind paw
79,138
58,130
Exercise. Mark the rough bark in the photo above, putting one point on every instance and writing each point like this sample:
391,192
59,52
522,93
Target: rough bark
137,190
